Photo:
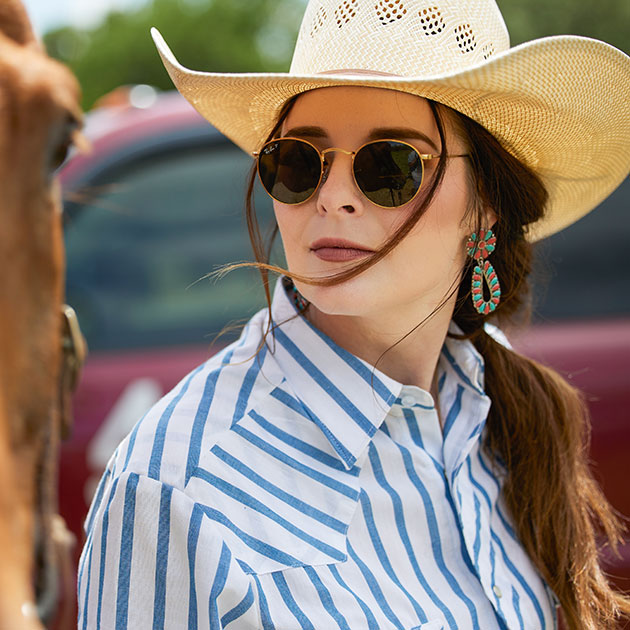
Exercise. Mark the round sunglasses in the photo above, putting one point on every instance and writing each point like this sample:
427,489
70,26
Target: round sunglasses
388,172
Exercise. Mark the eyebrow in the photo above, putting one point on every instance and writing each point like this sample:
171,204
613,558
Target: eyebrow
306,132
403,133
380,133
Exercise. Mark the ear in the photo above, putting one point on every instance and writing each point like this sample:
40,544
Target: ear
480,217
15,25
488,217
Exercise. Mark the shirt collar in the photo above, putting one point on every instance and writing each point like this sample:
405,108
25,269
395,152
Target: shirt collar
464,359
345,396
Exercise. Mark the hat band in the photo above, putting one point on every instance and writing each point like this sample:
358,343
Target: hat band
358,72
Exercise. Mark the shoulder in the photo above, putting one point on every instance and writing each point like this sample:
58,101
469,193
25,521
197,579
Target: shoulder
167,441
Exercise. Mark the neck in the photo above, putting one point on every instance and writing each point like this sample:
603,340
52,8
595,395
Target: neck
403,353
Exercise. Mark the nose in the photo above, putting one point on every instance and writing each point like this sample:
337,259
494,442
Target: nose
338,191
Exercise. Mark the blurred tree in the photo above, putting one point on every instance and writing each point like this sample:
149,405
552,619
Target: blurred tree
215,35
258,35
608,20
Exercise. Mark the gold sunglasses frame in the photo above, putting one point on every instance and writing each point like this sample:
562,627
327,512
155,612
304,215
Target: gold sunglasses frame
322,154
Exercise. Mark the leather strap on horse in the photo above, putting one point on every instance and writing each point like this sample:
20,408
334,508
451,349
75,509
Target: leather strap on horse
74,352
56,600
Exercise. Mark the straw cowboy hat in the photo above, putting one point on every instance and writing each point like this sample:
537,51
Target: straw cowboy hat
559,104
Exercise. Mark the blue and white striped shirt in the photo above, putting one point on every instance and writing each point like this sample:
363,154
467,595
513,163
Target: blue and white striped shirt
301,488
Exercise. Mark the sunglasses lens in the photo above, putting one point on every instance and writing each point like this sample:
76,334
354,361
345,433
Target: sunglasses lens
289,170
389,173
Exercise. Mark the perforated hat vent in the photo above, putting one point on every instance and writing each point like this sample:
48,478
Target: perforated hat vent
431,20
488,50
390,10
465,38
318,21
345,12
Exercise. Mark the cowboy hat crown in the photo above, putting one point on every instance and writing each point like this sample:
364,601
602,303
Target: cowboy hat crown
406,38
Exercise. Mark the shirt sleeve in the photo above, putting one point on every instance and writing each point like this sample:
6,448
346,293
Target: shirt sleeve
154,559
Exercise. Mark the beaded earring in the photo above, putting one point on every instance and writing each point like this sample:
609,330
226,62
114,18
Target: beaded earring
479,247
297,298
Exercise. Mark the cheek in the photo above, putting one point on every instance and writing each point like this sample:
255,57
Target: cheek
291,225
283,218
436,243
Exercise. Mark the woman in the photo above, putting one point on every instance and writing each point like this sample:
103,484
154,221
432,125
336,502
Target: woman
371,453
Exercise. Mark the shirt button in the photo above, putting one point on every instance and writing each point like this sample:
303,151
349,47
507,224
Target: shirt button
408,401
497,591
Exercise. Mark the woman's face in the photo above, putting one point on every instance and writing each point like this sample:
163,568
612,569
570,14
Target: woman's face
325,235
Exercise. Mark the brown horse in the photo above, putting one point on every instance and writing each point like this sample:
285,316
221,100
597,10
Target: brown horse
39,119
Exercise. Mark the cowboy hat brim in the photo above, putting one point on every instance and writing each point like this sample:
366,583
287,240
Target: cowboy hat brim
545,101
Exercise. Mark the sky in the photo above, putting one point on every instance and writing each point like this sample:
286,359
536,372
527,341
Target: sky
48,14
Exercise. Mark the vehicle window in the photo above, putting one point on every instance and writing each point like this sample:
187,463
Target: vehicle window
137,253
582,271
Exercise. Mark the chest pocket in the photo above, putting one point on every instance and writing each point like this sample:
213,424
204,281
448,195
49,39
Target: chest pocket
279,501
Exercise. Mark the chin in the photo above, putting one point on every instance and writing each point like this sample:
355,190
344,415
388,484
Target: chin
345,299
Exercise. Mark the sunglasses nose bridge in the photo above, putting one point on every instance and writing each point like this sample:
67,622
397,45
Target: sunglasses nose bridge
336,150
323,154
345,173
326,167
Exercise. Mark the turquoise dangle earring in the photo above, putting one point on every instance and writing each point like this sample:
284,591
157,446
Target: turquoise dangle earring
479,247
297,298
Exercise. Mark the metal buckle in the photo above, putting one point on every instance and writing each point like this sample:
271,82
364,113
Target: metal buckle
73,345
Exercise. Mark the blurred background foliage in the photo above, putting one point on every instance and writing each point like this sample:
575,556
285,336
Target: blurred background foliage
259,35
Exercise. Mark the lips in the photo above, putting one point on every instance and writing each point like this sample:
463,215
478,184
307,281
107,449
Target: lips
339,250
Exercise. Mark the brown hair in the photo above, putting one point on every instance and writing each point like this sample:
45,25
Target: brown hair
538,425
